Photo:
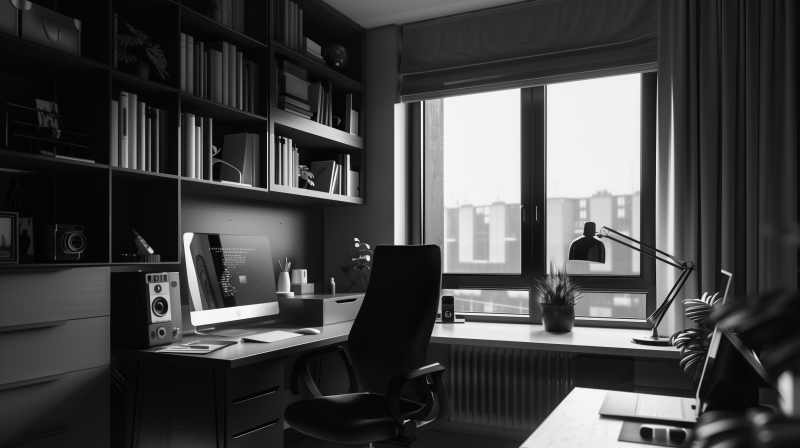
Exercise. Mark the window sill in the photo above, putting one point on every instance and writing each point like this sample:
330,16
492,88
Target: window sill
601,322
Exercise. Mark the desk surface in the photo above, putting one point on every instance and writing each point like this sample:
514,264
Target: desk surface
604,341
576,423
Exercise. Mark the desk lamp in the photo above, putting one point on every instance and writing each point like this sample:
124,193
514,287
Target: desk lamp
590,248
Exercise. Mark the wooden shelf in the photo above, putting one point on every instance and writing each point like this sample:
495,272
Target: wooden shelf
35,163
27,58
205,29
313,135
132,174
221,114
317,69
278,194
303,196
140,86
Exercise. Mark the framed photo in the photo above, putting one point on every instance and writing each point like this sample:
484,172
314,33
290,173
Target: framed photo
9,251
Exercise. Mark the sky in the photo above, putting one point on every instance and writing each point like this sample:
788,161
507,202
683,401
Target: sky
592,142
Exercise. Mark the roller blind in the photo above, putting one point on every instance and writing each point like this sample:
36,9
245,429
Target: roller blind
527,44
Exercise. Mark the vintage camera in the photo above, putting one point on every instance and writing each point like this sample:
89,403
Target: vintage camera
65,242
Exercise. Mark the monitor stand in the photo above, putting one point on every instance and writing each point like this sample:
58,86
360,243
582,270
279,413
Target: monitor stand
224,332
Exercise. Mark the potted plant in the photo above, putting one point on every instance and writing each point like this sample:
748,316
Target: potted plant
558,295
356,264
693,342
133,48
306,175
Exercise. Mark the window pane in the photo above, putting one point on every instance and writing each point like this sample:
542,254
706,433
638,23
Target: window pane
489,301
594,168
612,304
480,137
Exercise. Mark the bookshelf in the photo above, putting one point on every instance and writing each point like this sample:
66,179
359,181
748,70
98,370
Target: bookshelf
108,199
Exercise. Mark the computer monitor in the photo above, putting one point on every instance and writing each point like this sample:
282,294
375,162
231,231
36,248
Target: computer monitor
732,374
230,278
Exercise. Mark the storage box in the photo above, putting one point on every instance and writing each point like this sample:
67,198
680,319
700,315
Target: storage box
316,310
47,27
302,288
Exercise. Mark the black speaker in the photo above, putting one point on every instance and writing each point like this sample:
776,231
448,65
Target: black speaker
175,301
141,309
448,309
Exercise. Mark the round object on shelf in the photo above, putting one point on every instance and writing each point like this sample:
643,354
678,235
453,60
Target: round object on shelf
335,55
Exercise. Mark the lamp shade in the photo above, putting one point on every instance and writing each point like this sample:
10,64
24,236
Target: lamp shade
588,247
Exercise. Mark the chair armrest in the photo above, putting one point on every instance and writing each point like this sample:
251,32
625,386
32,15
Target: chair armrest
300,370
409,428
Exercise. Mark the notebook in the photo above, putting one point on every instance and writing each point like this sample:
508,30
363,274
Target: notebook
271,336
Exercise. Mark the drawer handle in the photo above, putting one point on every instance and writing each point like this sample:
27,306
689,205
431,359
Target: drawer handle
43,379
257,428
346,300
255,395
53,32
54,323
43,435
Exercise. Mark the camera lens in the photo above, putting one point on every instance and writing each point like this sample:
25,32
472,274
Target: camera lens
160,306
75,242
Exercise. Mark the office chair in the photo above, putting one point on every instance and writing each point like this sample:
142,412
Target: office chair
387,346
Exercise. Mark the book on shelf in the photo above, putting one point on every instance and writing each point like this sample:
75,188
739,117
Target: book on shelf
132,133
215,67
289,24
315,101
353,185
217,72
188,141
295,102
324,175
123,129
207,148
292,86
349,124
293,69
189,67
114,44
163,135
312,49
230,13
183,62
148,136
240,158
232,76
252,86
155,140
141,139
114,156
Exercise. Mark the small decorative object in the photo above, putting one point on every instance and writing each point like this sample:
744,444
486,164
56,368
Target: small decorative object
8,238
332,286
284,286
49,123
335,55
693,342
558,297
305,174
18,203
144,252
299,276
356,264
128,43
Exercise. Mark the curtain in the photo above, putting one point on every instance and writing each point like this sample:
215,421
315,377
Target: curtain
527,44
727,155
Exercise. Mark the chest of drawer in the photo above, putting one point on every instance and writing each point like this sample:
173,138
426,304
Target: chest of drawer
42,351
62,410
52,296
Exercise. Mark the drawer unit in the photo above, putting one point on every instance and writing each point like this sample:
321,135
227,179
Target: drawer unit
56,348
316,310
268,434
53,296
62,410
254,396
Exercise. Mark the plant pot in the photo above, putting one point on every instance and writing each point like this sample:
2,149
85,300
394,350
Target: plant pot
558,318
142,71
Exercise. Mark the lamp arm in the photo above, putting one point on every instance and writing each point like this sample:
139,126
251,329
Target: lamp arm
645,253
676,259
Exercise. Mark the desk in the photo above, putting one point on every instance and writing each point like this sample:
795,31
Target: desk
215,384
576,423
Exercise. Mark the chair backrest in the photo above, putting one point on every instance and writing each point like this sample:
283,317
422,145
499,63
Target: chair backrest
393,328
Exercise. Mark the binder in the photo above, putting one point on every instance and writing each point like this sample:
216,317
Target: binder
124,125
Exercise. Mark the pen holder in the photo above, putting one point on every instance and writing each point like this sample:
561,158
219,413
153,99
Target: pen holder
283,282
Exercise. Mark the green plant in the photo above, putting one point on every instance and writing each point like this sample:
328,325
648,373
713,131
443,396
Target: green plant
127,42
557,288
693,342
357,263
304,173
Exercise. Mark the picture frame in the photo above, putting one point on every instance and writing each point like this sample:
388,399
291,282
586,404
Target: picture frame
9,244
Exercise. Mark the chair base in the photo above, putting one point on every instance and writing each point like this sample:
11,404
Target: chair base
395,441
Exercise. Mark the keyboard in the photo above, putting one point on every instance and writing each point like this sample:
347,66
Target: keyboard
659,407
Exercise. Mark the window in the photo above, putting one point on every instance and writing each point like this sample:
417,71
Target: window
521,171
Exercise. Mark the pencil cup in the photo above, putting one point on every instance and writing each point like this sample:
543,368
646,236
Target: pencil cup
299,276
283,282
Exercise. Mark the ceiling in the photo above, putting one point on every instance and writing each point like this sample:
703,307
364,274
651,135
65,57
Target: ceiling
375,13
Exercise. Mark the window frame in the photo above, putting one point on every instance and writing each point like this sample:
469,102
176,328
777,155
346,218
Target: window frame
533,199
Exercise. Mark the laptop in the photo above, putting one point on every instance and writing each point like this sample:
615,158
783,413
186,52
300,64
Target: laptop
658,407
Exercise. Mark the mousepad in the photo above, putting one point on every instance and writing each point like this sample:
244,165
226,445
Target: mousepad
630,433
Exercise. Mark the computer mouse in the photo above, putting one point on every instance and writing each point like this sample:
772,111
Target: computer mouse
308,331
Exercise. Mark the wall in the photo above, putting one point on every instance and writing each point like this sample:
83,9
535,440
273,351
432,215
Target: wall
383,220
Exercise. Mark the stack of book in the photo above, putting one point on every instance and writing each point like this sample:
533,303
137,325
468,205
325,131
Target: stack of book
286,162
313,50
294,90
139,135
336,176
196,145
217,72
290,24
227,12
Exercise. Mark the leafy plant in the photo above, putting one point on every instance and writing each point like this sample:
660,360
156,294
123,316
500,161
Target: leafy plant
305,173
557,288
693,342
140,40
357,264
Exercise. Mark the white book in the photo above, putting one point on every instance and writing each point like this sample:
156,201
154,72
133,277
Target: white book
198,150
114,156
123,129
188,145
155,137
133,112
332,187
189,64
141,139
148,150
352,180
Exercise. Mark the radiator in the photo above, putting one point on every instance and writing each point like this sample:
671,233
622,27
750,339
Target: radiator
507,387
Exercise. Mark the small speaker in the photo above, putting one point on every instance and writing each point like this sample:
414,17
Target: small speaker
175,302
141,310
448,309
